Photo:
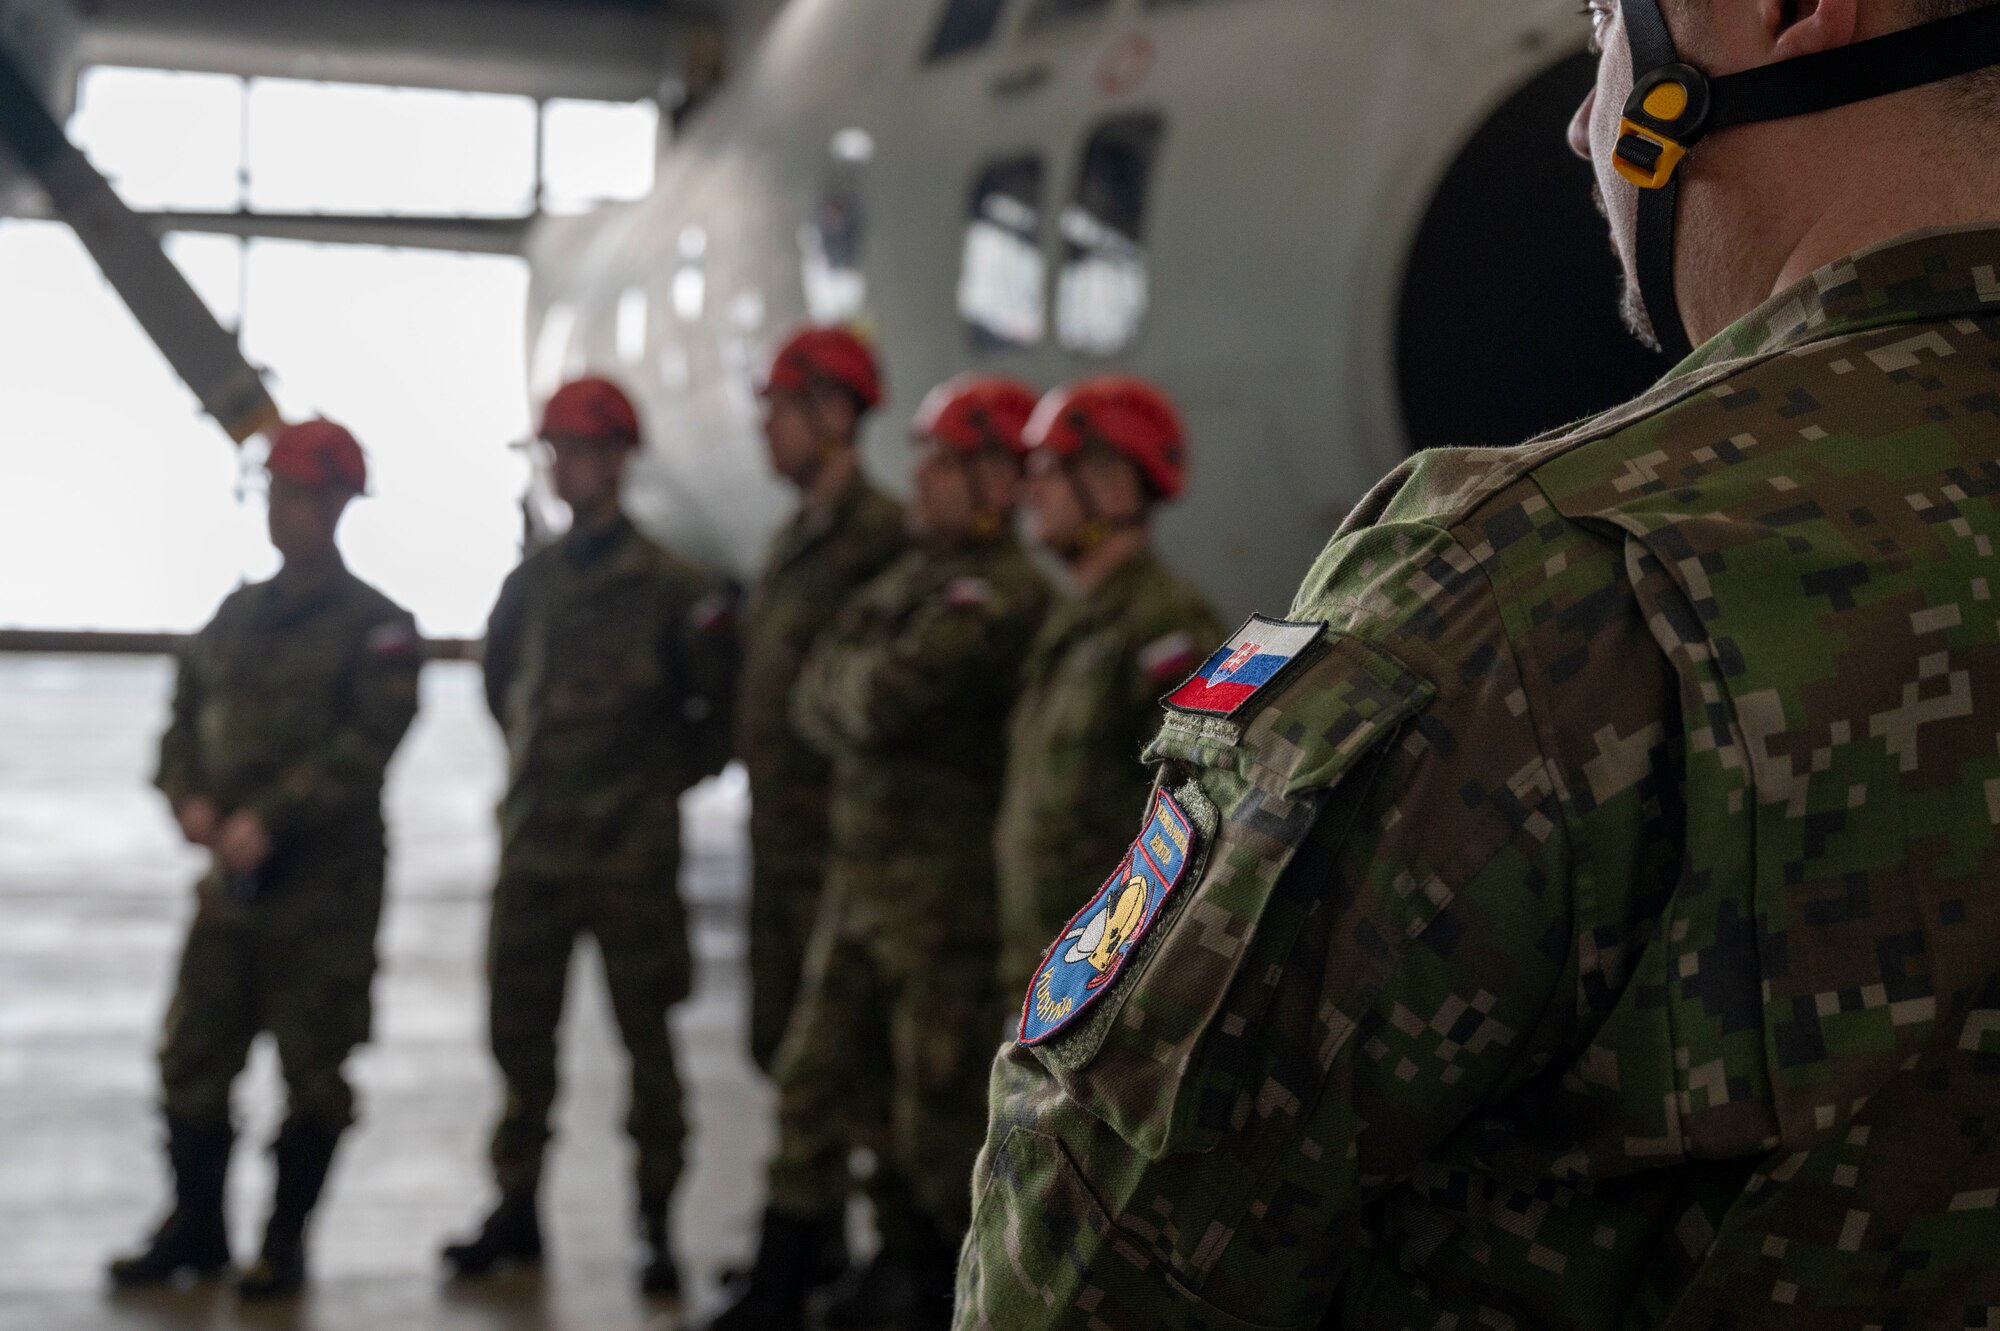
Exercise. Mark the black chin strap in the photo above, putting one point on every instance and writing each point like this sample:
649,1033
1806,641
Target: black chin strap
1675,106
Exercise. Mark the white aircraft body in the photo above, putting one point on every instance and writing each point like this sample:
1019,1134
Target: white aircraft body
1335,230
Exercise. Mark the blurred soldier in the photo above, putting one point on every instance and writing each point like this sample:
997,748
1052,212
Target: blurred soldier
607,663
1104,453
822,385
289,706
1579,912
907,692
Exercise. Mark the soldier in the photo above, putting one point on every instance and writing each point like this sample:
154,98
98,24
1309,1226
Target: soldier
907,692
1104,454
607,663
1577,911
289,706
822,384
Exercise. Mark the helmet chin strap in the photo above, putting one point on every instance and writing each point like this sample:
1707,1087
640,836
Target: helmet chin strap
1674,106
1096,529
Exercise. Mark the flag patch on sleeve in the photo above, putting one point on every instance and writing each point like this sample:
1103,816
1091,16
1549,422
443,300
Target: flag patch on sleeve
1254,659
1094,948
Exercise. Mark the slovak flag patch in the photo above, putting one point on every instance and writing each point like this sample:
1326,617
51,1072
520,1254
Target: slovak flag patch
1246,665
1094,948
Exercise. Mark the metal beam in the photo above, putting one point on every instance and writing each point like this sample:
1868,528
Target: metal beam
93,642
201,351
616,50
458,235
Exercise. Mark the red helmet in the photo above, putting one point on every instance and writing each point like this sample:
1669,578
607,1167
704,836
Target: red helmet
319,454
1129,416
975,412
593,409
826,355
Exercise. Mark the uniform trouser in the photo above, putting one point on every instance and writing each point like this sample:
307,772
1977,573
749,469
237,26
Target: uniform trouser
889,986
641,934
784,902
297,961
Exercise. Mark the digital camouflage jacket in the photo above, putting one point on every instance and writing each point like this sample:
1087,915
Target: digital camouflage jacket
1593,925
290,703
608,664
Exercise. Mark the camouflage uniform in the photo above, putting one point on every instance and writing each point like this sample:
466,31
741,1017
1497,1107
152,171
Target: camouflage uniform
907,692
289,705
1595,928
607,665
1075,787
816,562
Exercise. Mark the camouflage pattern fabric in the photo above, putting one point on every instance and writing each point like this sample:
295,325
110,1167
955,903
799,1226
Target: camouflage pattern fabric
1076,790
907,692
816,562
608,664
290,703
1596,930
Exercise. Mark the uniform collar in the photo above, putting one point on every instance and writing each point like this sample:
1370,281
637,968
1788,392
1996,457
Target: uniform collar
1921,277
811,525
587,548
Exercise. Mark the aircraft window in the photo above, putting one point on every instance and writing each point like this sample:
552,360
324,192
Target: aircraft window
1003,276
1048,12
690,286
830,244
631,335
1103,289
966,24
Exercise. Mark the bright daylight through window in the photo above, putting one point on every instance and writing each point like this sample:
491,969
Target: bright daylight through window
128,504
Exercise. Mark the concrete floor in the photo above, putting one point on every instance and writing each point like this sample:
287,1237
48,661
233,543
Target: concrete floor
94,892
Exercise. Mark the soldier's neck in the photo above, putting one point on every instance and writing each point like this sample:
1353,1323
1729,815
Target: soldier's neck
837,473
305,566
590,519
1093,567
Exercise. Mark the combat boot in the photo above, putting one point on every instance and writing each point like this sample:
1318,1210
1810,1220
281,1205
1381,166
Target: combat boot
510,1236
303,1154
194,1237
659,1277
772,1297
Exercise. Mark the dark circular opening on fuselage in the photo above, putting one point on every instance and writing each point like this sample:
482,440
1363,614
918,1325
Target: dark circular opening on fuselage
1509,320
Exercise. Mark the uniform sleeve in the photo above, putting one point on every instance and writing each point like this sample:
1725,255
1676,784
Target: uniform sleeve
347,770
1374,946
182,773
502,655
872,692
708,652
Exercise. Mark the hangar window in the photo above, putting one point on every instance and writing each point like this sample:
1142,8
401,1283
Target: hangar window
965,25
1002,279
1103,289
1049,12
831,243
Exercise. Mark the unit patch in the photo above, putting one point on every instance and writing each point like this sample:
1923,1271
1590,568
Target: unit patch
1250,662
1092,951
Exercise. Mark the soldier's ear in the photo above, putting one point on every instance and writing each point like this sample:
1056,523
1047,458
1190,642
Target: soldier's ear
1805,27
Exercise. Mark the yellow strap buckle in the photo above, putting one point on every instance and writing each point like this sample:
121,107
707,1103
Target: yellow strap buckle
1667,113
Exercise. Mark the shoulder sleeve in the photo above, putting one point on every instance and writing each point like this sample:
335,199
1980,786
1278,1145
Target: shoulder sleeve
1375,942
706,647
182,772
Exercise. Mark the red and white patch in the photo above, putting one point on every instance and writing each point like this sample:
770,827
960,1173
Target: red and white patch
968,593
1165,658
392,642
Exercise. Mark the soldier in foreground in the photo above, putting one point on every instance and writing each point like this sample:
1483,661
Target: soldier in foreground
607,666
1104,454
822,385
288,708
1578,912
907,693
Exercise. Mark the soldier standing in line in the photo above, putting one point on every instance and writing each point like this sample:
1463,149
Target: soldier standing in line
822,385
289,706
607,665
1104,453
907,693
1579,912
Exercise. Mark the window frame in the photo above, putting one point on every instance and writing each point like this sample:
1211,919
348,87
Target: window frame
1069,254
981,337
